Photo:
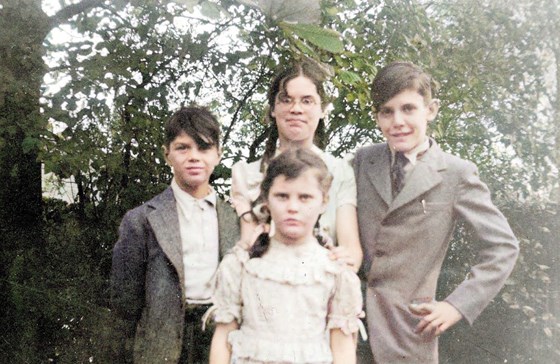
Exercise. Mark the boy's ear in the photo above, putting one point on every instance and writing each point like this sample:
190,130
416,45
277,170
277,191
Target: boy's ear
374,113
433,108
166,153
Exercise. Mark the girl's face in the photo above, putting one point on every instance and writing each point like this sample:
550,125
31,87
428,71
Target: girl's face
297,112
295,206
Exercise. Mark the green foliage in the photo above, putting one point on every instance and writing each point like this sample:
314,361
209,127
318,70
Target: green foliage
522,324
325,39
75,284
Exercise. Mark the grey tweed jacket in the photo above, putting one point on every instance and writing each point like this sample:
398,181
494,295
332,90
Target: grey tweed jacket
147,277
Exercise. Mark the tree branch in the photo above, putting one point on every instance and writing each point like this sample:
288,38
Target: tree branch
66,13
249,93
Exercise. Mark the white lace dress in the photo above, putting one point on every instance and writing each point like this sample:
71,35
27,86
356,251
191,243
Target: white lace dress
285,303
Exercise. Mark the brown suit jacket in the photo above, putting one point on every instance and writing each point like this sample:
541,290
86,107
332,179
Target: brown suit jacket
147,278
405,240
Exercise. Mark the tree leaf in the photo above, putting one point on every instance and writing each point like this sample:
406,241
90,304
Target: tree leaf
294,11
304,47
189,3
211,10
349,77
29,144
326,39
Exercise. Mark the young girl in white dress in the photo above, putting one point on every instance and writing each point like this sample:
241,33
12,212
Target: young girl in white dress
285,300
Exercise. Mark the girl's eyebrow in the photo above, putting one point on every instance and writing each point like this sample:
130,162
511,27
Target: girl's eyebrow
285,94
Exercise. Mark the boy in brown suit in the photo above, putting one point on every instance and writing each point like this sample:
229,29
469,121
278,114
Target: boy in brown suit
410,195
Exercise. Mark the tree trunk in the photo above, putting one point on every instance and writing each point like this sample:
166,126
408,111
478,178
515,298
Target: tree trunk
24,26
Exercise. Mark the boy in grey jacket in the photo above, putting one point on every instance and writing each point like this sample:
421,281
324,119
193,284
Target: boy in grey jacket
410,196
169,249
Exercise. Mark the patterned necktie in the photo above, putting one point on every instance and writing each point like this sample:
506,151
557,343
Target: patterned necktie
398,173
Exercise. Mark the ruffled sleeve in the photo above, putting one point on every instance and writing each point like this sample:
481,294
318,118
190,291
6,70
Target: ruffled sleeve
346,184
227,302
346,305
245,184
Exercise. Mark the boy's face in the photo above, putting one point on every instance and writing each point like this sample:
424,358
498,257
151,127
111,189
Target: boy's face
404,119
192,166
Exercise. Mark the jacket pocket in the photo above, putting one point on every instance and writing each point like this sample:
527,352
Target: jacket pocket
434,206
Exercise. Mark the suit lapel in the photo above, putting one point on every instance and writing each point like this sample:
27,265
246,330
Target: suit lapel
423,177
164,221
379,173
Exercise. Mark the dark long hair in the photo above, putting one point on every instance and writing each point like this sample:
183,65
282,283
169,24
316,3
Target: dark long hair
291,164
317,76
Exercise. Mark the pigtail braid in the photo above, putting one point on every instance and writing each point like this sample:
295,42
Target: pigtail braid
320,137
260,247
322,238
263,240
270,148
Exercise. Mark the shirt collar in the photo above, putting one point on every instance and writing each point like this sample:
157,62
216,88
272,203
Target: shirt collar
413,154
188,202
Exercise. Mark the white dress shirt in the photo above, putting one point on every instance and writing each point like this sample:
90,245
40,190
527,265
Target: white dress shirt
412,156
198,224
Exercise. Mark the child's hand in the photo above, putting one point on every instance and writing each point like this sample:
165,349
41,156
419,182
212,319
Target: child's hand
437,317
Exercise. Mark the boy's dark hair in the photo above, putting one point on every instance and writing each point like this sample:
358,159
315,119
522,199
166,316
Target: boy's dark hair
290,164
315,74
198,122
397,77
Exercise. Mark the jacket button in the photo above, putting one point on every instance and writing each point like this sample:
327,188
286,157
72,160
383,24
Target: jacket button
379,253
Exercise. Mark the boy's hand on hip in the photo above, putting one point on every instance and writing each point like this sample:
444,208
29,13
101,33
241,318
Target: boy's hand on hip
437,317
